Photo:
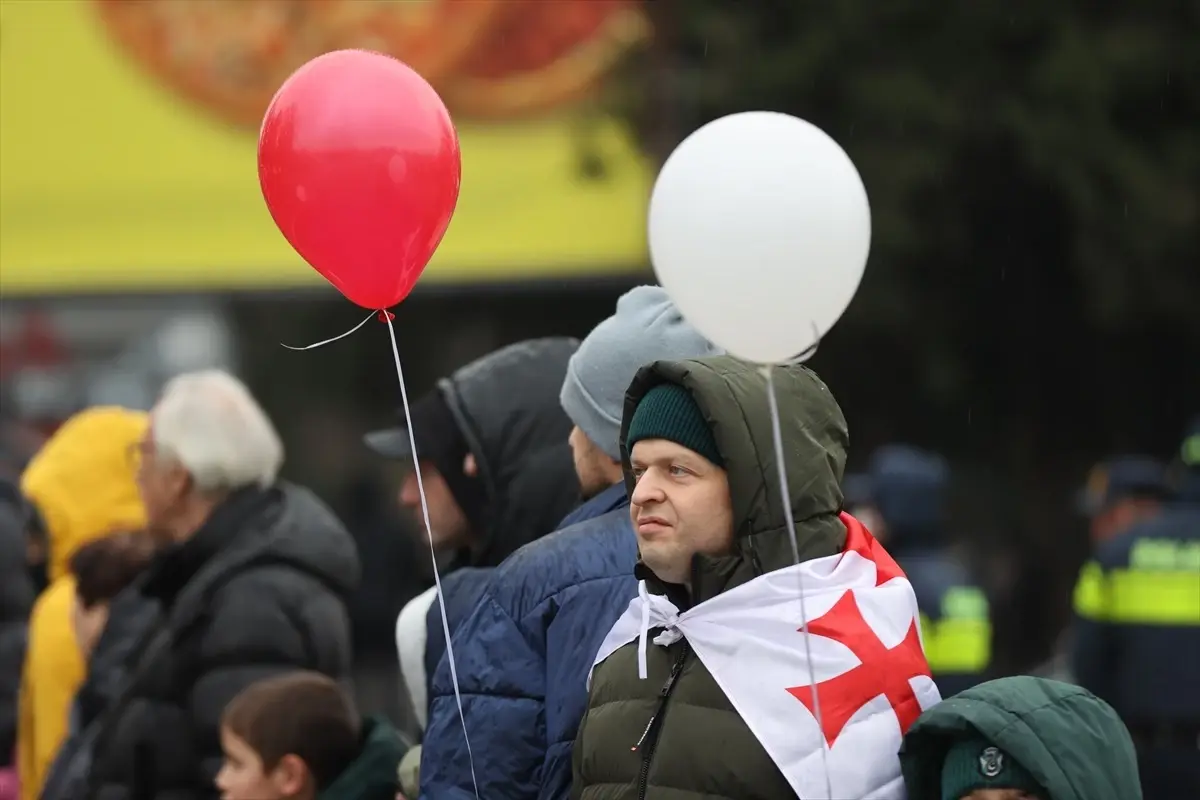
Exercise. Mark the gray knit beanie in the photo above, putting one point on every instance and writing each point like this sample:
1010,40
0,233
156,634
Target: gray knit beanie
646,328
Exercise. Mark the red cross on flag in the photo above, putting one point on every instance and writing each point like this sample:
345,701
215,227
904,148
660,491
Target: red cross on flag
867,671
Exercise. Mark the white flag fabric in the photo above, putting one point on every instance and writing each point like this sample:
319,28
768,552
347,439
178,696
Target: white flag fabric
872,679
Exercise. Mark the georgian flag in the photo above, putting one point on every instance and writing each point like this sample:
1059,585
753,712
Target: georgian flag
872,679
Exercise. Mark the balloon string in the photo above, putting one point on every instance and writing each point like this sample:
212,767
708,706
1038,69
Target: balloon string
315,345
432,550
777,436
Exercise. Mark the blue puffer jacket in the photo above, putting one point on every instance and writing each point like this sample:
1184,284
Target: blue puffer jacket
523,656
461,590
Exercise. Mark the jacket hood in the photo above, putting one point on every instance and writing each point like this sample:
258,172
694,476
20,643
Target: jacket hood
506,405
374,773
732,396
82,481
1071,741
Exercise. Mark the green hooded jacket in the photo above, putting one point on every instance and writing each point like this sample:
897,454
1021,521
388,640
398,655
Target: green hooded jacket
676,735
373,775
1071,741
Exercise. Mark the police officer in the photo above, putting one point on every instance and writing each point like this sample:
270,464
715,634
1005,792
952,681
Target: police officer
1137,643
907,493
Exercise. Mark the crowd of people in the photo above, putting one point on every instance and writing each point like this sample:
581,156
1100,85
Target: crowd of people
174,617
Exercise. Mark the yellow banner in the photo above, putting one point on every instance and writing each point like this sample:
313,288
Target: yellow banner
115,178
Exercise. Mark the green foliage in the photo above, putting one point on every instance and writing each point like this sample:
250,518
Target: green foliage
1052,145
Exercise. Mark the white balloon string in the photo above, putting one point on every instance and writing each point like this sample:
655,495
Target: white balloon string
315,345
432,552
786,495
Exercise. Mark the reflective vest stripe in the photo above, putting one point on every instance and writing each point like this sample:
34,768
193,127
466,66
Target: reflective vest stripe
1138,597
957,645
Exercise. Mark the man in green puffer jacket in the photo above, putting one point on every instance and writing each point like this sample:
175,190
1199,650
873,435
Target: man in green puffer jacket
1020,738
699,431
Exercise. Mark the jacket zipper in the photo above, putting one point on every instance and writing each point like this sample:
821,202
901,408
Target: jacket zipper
648,742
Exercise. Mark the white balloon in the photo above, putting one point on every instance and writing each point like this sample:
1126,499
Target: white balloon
759,230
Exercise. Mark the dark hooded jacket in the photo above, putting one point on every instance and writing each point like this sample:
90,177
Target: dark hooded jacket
16,601
506,407
1072,742
699,747
260,589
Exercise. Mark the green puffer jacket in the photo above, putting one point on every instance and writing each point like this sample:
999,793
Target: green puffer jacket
698,746
373,775
1071,741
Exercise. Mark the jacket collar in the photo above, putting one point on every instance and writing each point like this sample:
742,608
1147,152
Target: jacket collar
178,564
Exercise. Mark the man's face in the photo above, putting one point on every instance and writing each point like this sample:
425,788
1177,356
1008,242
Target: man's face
161,484
243,777
450,526
596,471
872,520
1117,517
680,507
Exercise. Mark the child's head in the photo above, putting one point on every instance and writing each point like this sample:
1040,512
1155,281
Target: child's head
287,737
975,769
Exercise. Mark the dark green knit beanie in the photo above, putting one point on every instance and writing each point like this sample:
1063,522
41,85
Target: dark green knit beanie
668,412
975,763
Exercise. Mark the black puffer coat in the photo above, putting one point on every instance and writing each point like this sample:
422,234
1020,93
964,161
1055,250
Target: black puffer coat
130,615
16,600
259,590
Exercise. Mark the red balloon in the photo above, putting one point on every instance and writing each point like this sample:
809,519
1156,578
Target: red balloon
360,166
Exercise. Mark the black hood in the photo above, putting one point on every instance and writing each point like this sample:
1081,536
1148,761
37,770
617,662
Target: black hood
506,405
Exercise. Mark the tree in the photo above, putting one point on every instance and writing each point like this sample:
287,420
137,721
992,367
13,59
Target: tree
1034,172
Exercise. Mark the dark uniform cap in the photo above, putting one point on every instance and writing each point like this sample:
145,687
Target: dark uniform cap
1122,478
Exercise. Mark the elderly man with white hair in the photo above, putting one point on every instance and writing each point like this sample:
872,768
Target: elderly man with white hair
252,581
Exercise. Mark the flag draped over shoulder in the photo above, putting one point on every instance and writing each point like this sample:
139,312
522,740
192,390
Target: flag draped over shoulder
861,665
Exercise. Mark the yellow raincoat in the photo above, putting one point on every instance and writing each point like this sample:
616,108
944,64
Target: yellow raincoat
83,485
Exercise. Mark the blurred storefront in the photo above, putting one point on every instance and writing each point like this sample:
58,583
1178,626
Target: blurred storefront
129,198
129,129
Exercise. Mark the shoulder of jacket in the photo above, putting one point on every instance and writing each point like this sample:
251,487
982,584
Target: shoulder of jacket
594,547
525,588
271,581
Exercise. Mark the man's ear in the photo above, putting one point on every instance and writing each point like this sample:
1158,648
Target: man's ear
179,480
470,466
290,776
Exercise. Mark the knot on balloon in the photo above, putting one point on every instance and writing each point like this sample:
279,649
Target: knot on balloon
385,316
809,351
